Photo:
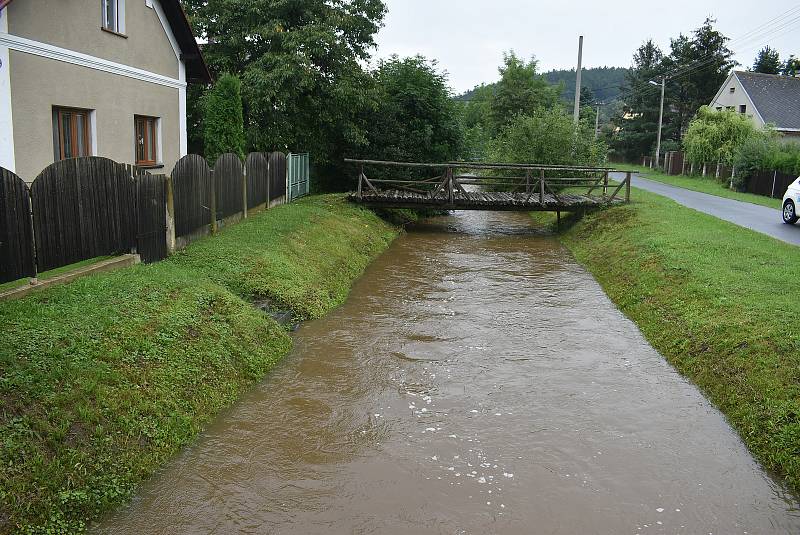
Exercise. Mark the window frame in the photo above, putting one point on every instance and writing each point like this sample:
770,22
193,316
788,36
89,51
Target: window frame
118,26
743,109
151,139
59,148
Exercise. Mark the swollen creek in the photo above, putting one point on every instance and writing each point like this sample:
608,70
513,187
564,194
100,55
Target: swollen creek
477,380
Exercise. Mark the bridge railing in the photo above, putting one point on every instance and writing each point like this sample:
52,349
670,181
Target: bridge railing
535,180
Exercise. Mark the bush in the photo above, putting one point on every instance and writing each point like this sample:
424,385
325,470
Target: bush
765,152
223,119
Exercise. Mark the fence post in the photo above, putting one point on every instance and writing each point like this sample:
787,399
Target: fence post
35,278
774,177
171,240
628,187
213,202
605,184
244,190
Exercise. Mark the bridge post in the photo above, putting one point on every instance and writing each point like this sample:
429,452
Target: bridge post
360,178
605,184
527,181
450,184
541,187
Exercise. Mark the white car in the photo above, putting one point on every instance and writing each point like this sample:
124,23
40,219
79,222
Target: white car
791,202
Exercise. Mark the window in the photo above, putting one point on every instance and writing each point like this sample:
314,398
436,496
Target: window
733,90
114,15
719,108
72,133
146,140
729,108
743,108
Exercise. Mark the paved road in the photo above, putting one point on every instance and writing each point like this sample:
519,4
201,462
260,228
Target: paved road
759,218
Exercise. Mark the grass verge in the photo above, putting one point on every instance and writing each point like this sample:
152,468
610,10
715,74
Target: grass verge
708,185
4,287
104,379
715,299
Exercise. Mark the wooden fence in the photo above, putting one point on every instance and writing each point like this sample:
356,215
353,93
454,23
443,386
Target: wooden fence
82,208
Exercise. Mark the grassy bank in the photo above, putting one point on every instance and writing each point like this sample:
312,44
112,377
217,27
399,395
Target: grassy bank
718,301
708,185
104,379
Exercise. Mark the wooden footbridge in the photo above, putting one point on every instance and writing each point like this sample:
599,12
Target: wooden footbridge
489,186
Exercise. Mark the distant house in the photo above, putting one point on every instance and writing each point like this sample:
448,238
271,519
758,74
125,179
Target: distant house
765,98
88,77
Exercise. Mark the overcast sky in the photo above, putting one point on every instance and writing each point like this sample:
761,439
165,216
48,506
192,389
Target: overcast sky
468,37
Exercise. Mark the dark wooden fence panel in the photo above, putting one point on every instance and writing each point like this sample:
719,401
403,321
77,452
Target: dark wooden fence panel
83,208
228,181
257,170
769,183
17,258
191,183
151,231
676,163
277,175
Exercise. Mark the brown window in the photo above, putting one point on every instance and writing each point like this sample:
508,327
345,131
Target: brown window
72,134
146,140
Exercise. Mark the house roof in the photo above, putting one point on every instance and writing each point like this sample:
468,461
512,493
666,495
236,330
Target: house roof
196,68
777,98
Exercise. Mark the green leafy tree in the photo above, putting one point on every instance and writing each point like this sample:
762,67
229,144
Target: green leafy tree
716,136
637,121
548,136
416,118
700,64
477,121
300,63
521,90
791,67
223,125
768,61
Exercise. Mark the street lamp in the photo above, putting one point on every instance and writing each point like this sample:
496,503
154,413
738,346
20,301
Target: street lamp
660,117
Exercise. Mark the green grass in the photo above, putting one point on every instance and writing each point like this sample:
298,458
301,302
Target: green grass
104,379
708,185
718,301
6,286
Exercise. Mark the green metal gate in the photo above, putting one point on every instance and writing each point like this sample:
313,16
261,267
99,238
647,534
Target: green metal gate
297,176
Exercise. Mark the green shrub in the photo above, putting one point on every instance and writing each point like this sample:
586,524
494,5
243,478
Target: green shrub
223,119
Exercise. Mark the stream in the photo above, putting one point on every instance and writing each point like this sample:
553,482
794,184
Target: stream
477,380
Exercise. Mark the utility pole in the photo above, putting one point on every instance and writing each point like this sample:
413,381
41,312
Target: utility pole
577,112
660,118
597,123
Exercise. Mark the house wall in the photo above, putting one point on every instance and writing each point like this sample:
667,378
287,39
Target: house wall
77,25
739,97
38,84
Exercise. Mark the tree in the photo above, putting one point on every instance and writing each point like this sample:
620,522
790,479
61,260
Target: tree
520,91
303,86
548,136
768,61
222,119
638,119
416,118
715,136
791,67
700,65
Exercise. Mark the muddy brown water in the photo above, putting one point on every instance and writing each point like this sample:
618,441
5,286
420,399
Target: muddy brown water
477,380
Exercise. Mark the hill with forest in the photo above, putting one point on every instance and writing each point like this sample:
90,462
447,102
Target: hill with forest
605,83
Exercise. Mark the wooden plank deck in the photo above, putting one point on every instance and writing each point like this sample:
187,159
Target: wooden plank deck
480,200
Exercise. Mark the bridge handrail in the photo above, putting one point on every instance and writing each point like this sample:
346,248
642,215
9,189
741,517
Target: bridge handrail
478,165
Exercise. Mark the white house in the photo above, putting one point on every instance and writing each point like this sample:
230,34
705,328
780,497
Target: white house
94,78
765,98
